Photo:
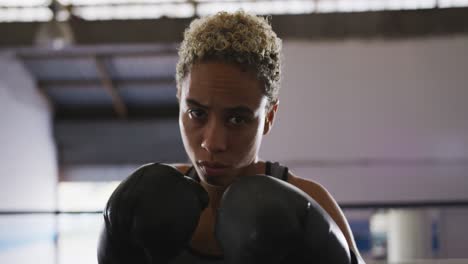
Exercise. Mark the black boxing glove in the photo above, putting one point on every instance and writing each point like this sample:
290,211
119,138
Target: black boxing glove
265,220
151,216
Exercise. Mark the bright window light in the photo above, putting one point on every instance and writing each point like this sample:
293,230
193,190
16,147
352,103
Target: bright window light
25,14
418,4
453,3
135,11
394,4
13,10
258,7
372,5
326,6
117,2
351,6
84,196
204,1
410,4
298,7
24,3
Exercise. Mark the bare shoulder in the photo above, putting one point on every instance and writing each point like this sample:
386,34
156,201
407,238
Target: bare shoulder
321,195
312,188
182,167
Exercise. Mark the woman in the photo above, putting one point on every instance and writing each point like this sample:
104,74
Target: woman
228,79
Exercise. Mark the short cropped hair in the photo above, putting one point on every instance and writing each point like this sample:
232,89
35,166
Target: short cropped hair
239,37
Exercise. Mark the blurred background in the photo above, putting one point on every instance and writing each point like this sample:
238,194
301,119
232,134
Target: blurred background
374,106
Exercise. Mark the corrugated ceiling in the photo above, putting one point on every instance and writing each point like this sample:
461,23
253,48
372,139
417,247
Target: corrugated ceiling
106,81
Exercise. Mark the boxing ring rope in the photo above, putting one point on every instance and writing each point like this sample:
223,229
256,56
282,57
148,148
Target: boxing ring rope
344,206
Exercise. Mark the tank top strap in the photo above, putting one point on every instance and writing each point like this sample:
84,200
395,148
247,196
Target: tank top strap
274,169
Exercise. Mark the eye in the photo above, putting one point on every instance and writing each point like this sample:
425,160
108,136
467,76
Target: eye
196,113
237,120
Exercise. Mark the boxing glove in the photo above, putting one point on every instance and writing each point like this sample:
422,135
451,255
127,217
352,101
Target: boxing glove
265,220
150,217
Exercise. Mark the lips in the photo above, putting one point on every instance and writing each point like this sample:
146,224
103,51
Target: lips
213,168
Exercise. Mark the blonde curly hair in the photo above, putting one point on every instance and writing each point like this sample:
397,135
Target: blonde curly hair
237,37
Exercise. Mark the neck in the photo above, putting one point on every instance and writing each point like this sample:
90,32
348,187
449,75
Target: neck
216,192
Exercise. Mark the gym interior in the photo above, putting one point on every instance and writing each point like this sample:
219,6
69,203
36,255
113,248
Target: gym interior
373,106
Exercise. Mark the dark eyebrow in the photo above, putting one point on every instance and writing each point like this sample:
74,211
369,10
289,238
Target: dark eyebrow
236,109
195,103
240,109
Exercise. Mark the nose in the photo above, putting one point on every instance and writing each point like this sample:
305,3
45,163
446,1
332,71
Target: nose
214,137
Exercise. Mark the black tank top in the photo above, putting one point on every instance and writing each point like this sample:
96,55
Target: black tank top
273,169
190,256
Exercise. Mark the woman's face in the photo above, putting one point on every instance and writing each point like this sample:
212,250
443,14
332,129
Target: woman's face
222,120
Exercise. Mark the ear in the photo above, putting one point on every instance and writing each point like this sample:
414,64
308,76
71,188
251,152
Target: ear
270,117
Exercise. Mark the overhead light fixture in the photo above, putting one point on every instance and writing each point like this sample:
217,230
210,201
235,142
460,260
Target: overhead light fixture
57,32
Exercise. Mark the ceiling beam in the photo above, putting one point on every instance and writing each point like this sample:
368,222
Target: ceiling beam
83,83
78,52
119,106
103,113
381,24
